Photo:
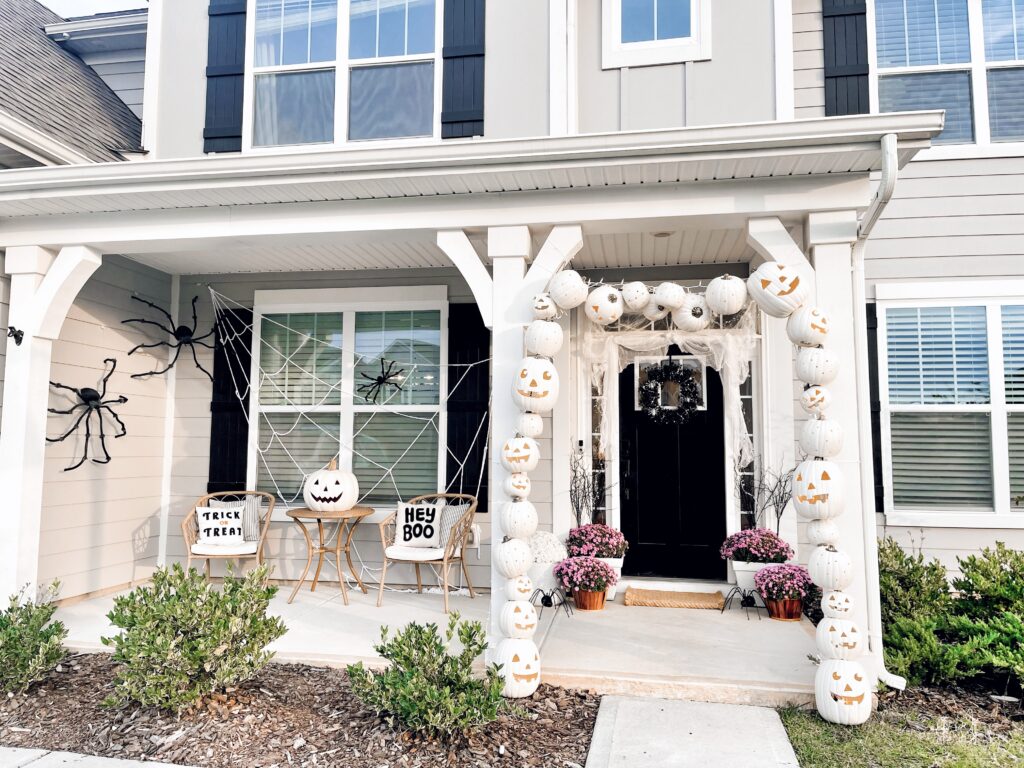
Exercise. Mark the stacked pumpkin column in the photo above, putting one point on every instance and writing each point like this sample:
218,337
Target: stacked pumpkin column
842,689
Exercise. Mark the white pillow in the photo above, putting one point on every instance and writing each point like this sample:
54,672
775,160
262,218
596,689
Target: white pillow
221,526
419,525
251,513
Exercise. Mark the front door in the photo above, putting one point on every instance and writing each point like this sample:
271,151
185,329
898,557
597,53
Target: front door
672,486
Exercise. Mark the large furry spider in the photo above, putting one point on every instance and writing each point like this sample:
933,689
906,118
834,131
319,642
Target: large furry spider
91,402
551,599
184,336
375,384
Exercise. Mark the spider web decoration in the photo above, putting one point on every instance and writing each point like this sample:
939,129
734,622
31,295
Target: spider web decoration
91,403
381,389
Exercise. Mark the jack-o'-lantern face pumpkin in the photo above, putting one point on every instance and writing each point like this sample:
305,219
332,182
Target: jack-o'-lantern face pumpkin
847,689
815,399
331,489
543,307
519,588
808,327
836,604
535,387
525,669
818,490
777,288
520,666
518,485
842,692
839,639
604,305
518,619
520,454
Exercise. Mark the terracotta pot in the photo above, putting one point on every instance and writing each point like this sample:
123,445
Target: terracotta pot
588,601
789,609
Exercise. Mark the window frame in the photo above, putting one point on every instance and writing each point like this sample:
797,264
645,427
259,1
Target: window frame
342,67
617,55
978,68
348,302
992,296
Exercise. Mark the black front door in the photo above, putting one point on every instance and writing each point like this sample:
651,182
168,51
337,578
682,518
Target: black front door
672,488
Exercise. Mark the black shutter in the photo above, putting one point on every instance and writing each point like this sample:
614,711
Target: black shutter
462,90
229,424
876,407
469,341
845,31
225,76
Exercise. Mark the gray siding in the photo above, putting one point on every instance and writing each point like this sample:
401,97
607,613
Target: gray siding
808,59
124,72
948,544
516,86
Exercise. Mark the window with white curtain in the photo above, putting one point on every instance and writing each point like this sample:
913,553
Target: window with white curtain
321,77
952,391
963,56
314,400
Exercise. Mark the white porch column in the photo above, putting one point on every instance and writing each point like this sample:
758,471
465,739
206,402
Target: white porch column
42,289
830,239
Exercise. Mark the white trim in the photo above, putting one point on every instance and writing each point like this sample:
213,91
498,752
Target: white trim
785,87
946,291
33,143
558,71
961,519
169,414
615,54
572,68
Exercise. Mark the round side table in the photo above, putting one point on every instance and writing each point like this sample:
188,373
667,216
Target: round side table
347,522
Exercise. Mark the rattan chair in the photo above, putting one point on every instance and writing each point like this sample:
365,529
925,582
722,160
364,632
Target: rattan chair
208,552
451,553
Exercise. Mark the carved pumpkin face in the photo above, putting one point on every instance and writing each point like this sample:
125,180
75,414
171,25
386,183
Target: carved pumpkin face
726,295
816,399
519,588
818,490
807,327
535,387
836,604
517,485
604,305
821,437
519,519
518,619
830,569
520,454
544,338
543,307
567,289
839,639
842,692
777,288
331,490
520,666
635,296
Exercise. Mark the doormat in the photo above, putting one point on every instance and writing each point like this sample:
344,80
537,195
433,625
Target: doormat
660,598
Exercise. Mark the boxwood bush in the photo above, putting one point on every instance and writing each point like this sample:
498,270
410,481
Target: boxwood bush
182,638
31,643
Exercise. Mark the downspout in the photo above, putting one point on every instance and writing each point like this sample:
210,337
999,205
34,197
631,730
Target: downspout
886,186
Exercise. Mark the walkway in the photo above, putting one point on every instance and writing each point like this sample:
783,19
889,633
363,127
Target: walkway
40,758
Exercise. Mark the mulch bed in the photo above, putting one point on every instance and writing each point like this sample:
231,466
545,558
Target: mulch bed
918,708
289,715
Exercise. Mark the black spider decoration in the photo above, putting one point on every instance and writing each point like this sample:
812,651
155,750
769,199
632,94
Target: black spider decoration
389,377
551,599
14,333
184,336
91,402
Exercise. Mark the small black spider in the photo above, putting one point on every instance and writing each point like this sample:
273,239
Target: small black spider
375,384
91,402
551,599
14,333
184,336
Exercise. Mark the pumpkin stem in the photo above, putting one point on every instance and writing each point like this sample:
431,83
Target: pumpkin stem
333,465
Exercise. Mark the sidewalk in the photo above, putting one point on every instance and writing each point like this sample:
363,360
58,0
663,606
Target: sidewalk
658,733
40,758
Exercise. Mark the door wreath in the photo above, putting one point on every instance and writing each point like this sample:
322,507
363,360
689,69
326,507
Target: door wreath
650,393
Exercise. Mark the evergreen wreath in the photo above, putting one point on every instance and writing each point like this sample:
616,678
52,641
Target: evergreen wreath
650,393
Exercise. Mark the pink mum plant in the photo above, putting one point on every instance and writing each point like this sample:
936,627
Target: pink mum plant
756,545
596,540
783,582
586,574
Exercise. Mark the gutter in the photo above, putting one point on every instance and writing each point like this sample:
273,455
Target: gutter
886,187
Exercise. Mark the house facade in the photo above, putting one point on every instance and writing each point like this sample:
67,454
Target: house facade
345,182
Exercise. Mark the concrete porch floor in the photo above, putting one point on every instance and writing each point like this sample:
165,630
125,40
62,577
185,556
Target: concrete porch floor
700,655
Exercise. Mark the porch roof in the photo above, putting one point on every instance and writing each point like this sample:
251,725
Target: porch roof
825,146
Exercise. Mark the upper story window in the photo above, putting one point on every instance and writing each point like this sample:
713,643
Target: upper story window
639,33
323,77
964,56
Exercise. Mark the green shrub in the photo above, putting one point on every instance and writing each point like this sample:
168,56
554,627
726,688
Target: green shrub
991,582
924,651
427,688
31,645
183,639
909,586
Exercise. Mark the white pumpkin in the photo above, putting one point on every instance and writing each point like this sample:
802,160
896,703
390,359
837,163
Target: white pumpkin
777,289
520,454
816,365
520,667
815,399
823,532
836,604
655,311
512,558
518,618
517,485
818,492
535,387
567,289
635,296
839,639
693,315
670,295
807,327
821,437
519,588
544,338
331,489
530,424
604,305
519,519
543,307
830,568
726,295
842,692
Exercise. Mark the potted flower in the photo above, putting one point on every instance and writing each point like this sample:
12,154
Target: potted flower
750,550
601,541
783,588
588,579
